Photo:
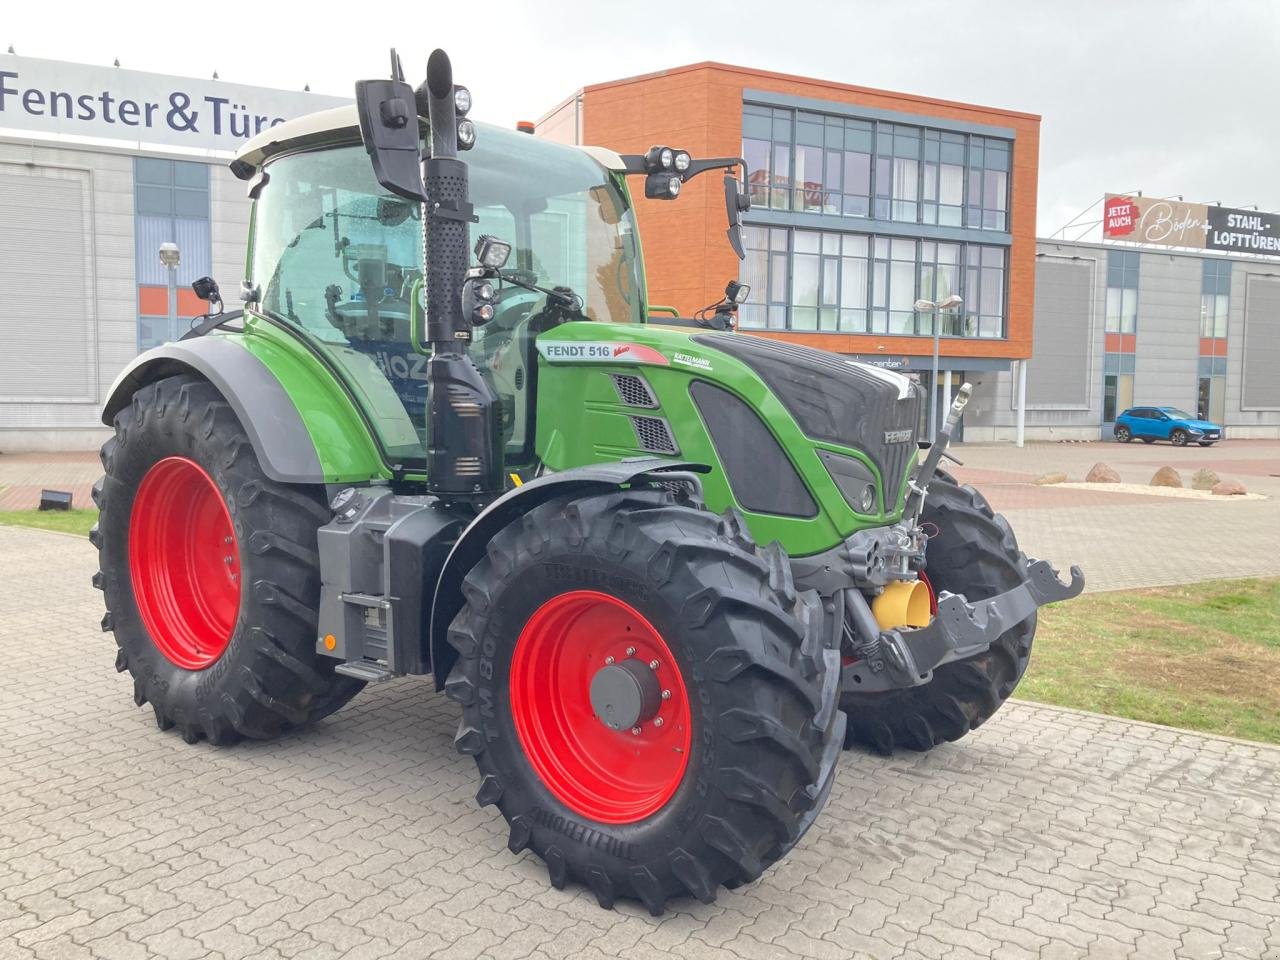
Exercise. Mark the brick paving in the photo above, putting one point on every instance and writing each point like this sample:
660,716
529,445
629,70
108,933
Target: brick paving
24,475
1126,540
1046,834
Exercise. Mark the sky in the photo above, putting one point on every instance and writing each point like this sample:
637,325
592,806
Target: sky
1170,97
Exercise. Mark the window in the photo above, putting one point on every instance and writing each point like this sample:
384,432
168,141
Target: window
1215,297
766,146
854,283
171,204
1117,386
1122,291
765,269
942,190
1211,389
988,200
817,163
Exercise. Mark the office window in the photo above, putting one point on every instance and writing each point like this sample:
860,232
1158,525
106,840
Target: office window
767,134
1122,291
171,204
984,291
942,186
824,281
818,163
765,269
988,201
1215,297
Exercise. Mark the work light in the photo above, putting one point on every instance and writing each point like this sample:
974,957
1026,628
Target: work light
466,134
662,186
737,292
682,161
492,252
461,100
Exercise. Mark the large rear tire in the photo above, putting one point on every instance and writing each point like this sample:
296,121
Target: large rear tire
734,756
210,572
973,553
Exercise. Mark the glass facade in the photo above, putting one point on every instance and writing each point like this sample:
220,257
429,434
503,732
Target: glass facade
837,282
816,163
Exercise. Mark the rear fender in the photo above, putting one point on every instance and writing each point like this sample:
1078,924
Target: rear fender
595,478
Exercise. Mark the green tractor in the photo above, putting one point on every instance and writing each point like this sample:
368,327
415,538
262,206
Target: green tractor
667,570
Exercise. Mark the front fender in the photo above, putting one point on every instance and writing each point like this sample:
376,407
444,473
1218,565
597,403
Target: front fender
470,547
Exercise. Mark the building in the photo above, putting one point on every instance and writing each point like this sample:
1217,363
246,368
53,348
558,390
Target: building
1119,324
98,167
863,201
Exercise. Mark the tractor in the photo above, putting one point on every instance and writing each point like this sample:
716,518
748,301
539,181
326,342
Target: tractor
667,570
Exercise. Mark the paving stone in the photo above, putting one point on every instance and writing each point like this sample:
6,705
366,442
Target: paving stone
1046,833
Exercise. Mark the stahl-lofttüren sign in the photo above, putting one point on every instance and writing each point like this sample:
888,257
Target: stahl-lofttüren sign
1174,223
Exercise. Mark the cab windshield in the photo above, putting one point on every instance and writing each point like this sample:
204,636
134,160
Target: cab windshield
336,256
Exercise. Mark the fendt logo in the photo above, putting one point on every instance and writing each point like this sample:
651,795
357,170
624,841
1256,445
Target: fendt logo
897,436
599,352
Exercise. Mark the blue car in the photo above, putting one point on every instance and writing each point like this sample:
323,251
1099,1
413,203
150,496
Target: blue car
1150,424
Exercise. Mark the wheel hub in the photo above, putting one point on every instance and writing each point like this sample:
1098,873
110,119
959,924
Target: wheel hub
625,695
600,707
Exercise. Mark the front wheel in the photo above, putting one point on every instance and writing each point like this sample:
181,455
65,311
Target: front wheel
651,704
1178,438
1123,435
209,571
973,553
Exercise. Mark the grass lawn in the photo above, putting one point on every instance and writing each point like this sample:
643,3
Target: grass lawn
63,521
1204,656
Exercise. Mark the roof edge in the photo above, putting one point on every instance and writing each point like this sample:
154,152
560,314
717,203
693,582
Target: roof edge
814,81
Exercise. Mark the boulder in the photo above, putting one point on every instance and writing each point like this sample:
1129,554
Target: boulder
1204,479
1101,473
1228,488
1048,478
1166,477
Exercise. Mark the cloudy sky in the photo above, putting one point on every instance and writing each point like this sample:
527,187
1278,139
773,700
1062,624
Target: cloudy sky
1165,96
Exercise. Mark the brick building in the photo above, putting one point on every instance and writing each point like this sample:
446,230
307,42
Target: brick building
863,201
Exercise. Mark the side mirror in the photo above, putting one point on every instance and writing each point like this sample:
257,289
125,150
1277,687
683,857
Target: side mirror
736,203
389,129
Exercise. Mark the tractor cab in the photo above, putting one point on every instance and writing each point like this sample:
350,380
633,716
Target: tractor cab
339,259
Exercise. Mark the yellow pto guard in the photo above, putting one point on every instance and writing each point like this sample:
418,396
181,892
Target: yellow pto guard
904,603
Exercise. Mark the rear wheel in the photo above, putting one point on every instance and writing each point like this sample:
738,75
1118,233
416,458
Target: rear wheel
1123,435
650,703
973,553
1179,438
209,571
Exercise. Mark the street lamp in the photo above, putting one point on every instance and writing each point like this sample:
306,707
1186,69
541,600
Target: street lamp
935,307
171,257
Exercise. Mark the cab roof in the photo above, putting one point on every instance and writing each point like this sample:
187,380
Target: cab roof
315,128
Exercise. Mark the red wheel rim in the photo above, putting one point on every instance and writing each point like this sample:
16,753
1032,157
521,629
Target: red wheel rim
610,776
184,562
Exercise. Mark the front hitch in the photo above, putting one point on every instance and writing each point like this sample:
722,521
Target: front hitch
895,659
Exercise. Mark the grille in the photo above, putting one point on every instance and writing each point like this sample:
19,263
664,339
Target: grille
653,435
634,391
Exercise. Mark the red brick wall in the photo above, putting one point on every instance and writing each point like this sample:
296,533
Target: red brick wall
699,108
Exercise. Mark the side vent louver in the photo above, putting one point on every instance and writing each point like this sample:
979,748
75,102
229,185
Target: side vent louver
634,391
653,435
